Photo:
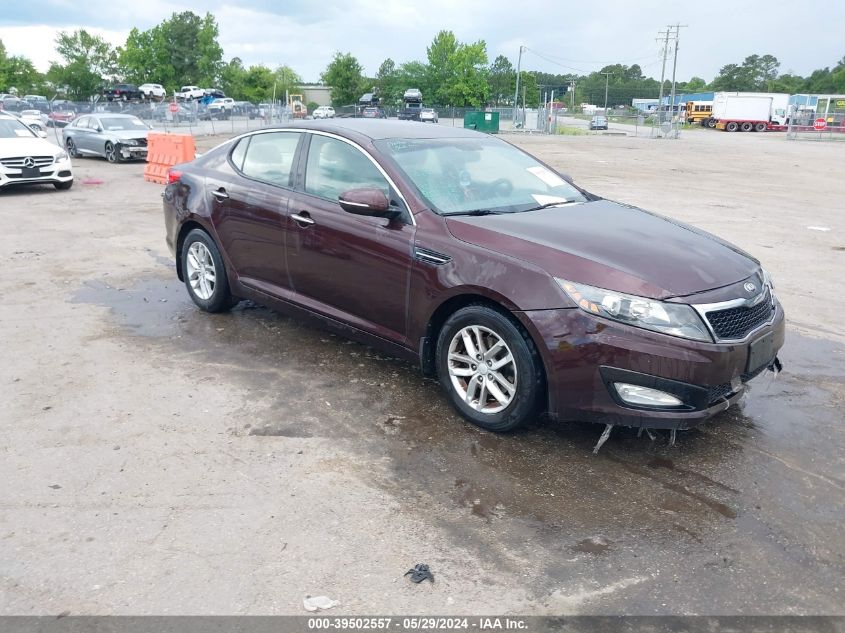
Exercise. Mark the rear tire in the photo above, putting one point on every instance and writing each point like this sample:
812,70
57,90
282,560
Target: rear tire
732,126
205,273
497,398
747,127
760,127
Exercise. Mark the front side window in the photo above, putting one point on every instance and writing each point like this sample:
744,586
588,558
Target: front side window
458,175
334,167
269,157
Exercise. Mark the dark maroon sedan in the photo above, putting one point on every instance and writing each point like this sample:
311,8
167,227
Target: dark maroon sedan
522,292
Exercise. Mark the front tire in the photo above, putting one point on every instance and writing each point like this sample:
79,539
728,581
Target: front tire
205,273
489,368
111,153
71,148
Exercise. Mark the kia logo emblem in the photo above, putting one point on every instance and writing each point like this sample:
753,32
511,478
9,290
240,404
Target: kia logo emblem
749,287
29,162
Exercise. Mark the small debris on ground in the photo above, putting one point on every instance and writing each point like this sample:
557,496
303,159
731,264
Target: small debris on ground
420,572
319,603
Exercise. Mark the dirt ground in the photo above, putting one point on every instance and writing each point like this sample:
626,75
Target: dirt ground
158,460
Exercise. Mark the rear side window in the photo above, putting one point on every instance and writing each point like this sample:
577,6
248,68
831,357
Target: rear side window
334,167
269,157
239,153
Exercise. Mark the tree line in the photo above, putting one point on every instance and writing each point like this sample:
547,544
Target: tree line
184,50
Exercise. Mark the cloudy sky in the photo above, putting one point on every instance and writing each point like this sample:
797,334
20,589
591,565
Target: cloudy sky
561,36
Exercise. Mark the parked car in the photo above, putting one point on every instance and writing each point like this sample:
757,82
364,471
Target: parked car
152,91
372,112
519,290
323,112
122,92
26,158
187,93
428,115
60,116
245,108
13,104
215,93
34,119
115,137
598,123
221,108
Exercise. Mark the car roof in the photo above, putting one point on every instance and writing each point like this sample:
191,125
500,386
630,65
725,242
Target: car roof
376,129
114,115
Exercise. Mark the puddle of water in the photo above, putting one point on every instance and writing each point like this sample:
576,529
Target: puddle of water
544,475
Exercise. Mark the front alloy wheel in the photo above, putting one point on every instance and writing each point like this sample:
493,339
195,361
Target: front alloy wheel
482,369
111,153
489,367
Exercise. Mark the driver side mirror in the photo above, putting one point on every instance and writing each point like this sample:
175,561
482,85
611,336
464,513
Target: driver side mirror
367,201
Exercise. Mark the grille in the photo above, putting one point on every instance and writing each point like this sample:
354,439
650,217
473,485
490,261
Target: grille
16,162
718,392
736,323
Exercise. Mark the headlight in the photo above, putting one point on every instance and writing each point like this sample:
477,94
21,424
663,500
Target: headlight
676,319
129,141
60,156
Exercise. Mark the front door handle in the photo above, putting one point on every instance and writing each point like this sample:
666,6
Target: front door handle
220,194
303,218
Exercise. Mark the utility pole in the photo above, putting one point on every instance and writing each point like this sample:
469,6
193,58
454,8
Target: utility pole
606,82
663,73
572,88
675,62
516,92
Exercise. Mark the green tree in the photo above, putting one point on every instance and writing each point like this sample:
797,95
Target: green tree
529,90
441,71
285,79
501,78
89,62
232,77
413,75
388,82
467,85
180,50
343,75
695,84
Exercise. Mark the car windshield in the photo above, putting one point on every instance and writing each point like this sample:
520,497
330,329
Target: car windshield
464,175
10,128
113,124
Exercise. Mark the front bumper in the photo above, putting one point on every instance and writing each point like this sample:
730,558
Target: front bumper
57,172
584,355
128,152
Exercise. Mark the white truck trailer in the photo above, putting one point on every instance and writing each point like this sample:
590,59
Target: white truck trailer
749,111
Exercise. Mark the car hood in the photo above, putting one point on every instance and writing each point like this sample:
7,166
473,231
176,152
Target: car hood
127,134
612,246
24,146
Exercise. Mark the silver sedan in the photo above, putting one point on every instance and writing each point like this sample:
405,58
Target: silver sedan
115,137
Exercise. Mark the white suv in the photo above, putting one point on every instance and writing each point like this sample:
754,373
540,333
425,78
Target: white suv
323,112
190,92
152,90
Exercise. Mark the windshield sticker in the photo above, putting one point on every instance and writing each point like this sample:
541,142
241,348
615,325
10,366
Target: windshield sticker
548,177
541,199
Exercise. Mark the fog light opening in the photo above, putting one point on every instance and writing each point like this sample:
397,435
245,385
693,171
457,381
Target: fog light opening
646,397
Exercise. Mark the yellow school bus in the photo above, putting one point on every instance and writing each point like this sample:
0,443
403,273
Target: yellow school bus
698,110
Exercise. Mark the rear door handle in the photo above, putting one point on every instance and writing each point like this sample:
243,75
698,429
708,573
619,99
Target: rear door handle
303,218
220,194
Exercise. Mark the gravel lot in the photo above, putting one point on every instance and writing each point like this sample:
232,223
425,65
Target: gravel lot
157,460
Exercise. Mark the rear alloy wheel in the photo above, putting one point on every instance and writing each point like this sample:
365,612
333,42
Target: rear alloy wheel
747,127
489,368
733,126
205,273
111,153
760,127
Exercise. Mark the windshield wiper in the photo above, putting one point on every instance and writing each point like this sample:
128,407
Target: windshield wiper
476,212
551,204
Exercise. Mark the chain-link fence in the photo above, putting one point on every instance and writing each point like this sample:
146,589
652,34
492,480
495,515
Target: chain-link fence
816,117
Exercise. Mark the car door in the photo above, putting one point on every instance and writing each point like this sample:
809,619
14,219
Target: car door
350,267
82,134
249,197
